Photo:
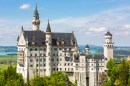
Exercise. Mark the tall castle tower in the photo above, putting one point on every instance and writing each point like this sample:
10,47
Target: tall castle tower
48,53
108,46
36,21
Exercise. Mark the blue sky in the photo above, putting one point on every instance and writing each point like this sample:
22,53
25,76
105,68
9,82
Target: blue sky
89,19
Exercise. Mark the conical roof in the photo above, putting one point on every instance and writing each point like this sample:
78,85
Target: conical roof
36,14
87,46
108,33
48,27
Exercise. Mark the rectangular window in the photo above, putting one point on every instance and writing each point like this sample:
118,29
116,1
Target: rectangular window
55,48
40,54
44,49
40,65
41,60
36,65
44,54
76,64
66,59
31,65
35,49
69,48
31,60
40,49
52,59
30,49
60,48
65,48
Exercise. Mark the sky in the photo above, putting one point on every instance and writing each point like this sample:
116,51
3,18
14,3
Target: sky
89,19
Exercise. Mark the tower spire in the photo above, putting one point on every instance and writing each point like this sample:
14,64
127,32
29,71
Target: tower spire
36,21
48,27
36,14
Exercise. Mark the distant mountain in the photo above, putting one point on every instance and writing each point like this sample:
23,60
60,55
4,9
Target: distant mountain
8,48
80,47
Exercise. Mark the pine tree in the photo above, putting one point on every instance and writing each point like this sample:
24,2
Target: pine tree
123,73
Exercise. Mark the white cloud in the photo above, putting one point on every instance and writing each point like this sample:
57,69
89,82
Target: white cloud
126,26
122,33
87,33
97,29
84,27
127,33
25,6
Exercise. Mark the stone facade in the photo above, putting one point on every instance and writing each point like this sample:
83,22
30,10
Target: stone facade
44,53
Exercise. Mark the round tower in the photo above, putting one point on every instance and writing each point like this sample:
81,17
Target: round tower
87,49
36,21
48,52
108,46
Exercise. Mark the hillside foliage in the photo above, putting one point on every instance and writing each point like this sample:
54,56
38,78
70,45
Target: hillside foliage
119,74
9,77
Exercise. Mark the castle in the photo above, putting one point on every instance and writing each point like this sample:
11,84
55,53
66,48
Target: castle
49,52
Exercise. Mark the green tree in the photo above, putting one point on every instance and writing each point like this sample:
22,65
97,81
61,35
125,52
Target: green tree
110,65
123,73
128,81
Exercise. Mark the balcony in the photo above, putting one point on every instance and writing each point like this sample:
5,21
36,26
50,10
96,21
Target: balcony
21,58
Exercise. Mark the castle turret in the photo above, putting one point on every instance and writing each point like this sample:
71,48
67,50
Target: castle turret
36,21
87,50
108,46
48,53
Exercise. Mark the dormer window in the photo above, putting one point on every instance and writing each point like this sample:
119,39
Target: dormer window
41,38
